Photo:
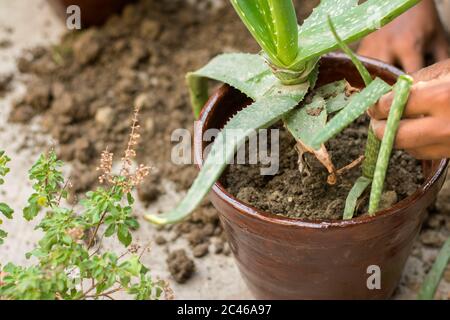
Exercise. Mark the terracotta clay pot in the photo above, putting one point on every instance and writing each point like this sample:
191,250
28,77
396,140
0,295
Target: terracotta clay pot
284,258
93,12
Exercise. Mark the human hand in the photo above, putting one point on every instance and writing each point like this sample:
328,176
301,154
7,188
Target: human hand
424,131
408,38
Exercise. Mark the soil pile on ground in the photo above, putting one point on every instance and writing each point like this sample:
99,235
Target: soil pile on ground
308,195
86,87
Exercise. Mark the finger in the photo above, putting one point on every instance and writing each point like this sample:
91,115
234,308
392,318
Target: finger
415,133
434,152
426,98
411,60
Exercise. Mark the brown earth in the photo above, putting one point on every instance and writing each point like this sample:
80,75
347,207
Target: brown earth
295,194
85,89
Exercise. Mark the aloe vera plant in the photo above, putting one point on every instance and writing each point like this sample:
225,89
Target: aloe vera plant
278,79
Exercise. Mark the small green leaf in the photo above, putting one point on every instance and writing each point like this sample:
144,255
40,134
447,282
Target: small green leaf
124,235
130,199
110,230
132,265
3,234
132,223
30,212
6,210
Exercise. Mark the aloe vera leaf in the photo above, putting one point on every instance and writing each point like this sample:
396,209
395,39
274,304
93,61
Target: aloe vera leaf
304,123
255,20
370,154
264,8
359,103
352,25
373,143
327,7
261,114
286,30
358,64
248,73
357,190
198,92
335,95
431,282
401,95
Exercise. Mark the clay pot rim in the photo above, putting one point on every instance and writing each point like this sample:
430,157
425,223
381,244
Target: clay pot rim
257,214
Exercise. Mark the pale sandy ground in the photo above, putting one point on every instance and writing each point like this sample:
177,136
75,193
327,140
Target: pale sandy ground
32,22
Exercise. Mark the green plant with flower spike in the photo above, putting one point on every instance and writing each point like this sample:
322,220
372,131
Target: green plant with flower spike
279,78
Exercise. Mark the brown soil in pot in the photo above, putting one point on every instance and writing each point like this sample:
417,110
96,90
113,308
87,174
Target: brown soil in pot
309,196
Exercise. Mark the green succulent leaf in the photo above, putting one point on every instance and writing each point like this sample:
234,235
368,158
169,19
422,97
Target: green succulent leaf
258,20
304,123
365,74
273,24
335,95
431,282
261,114
359,104
286,29
326,8
248,73
353,24
401,94
357,190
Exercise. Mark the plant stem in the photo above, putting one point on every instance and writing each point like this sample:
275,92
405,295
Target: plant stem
431,282
92,239
401,91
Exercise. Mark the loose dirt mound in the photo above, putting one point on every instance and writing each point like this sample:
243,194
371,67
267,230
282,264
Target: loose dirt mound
85,89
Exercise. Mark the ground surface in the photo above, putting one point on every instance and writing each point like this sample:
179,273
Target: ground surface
23,25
